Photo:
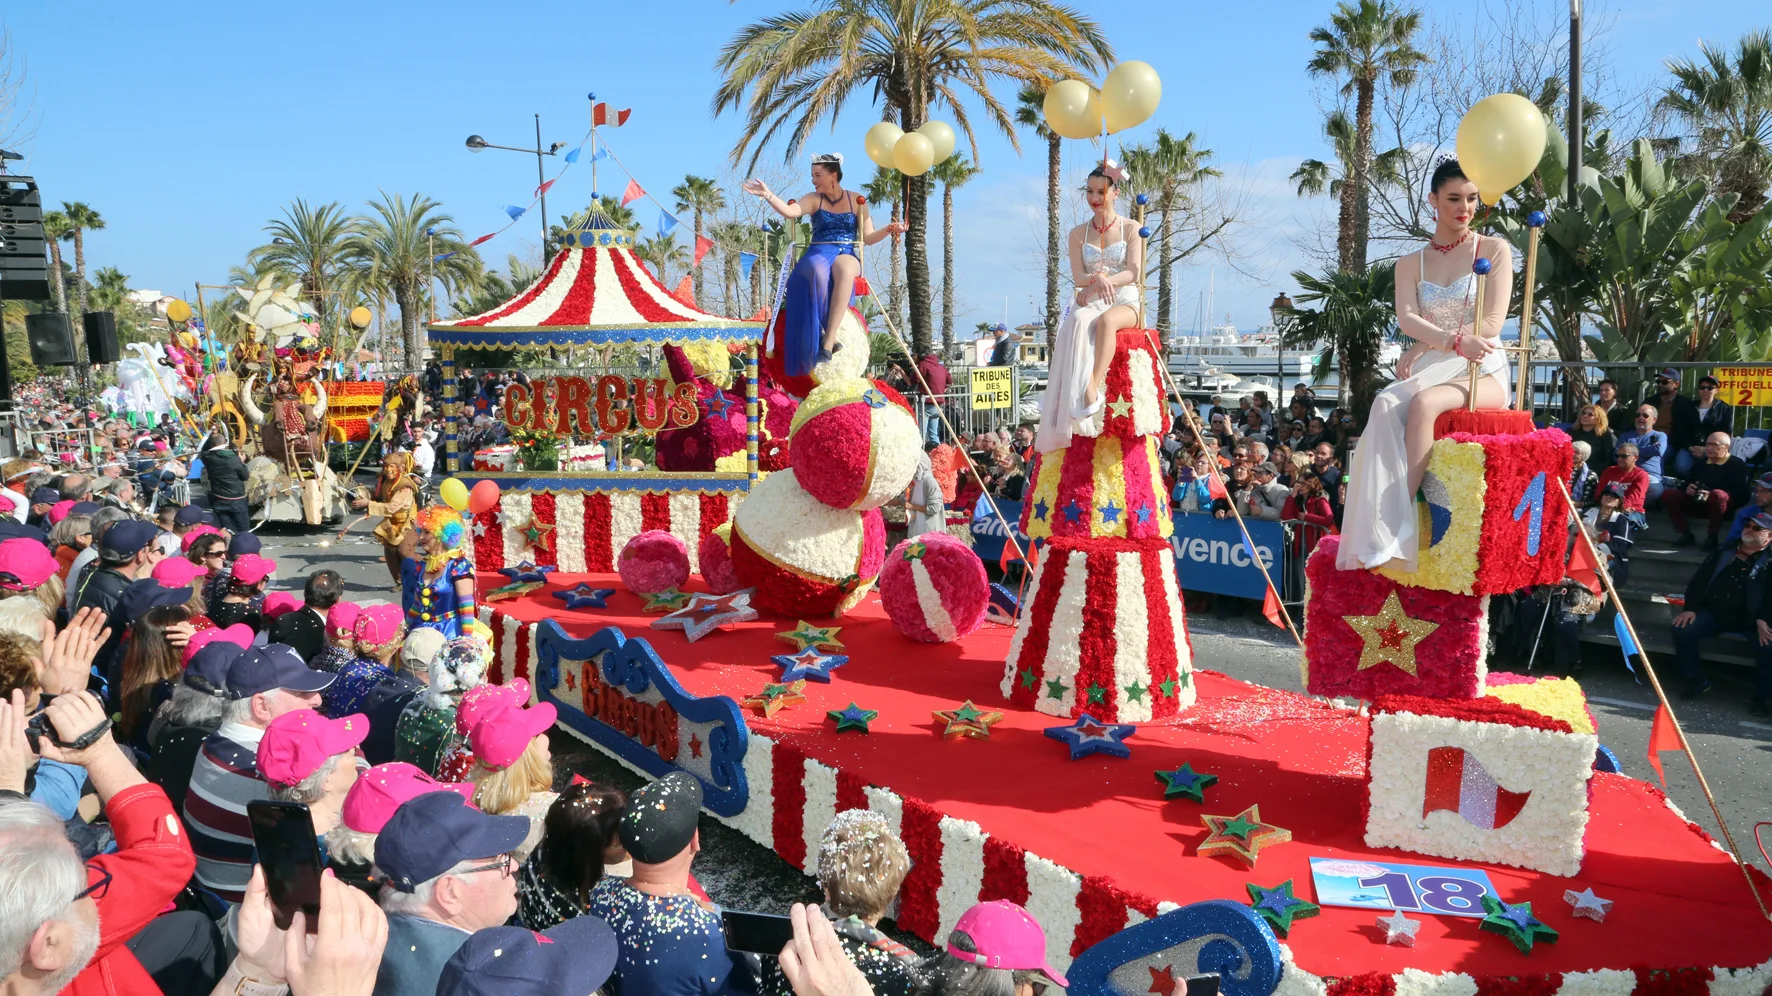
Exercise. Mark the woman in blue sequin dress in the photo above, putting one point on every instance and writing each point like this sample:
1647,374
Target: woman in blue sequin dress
819,289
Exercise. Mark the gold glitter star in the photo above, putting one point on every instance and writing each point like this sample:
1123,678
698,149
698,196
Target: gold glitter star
967,721
1241,836
774,697
807,635
1391,636
1120,408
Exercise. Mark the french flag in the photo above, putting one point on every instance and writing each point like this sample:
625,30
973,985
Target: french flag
601,115
1459,782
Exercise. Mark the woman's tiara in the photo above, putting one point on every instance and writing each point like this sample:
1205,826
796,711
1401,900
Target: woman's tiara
827,157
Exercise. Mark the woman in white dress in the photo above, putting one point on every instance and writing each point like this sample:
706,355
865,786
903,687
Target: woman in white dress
1436,302
1106,257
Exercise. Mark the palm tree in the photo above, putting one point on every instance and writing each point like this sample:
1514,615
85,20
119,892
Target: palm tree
702,196
887,187
1366,41
954,171
1728,105
81,219
393,240
1355,316
311,246
792,71
1030,112
56,229
733,239
663,252
1167,170
110,289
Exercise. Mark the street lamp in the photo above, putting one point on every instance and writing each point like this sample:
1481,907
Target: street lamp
477,144
1281,313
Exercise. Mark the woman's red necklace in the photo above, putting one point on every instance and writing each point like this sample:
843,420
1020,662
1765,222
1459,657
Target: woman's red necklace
1102,228
1448,248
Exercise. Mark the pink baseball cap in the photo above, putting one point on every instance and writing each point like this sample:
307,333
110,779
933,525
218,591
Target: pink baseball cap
481,699
197,532
377,626
176,572
238,634
297,743
280,603
252,568
59,511
27,562
341,619
379,791
501,736
1007,937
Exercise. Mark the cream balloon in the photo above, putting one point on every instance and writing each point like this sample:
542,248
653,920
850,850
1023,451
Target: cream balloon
913,155
1500,142
941,135
1129,95
1072,109
880,141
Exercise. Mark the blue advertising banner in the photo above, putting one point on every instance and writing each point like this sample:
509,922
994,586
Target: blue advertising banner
1210,554
989,533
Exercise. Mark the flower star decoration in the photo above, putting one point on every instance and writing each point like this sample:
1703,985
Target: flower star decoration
1185,781
585,597
1399,929
1120,408
1089,735
1241,836
1515,922
809,663
775,696
537,534
1587,904
967,721
668,600
807,635
526,572
1391,636
706,613
1279,907
853,717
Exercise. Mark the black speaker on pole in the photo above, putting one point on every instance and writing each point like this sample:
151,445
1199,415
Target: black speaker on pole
101,337
24,262
51,338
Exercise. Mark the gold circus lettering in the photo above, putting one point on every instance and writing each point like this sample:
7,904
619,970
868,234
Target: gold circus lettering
651,724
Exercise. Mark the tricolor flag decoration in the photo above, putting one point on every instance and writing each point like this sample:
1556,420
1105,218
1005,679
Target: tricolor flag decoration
1458,782
602,116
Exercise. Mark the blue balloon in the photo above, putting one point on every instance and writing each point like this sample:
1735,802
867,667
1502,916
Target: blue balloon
1482,266
1536,219
1143,198
1144,232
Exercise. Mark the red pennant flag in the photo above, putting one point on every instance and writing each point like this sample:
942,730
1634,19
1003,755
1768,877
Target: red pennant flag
481,239
1662,736
685,290
632,194
1215,487
861,288
1010,555
762,315
1584,569
702,245
1270,607
543,189
602,115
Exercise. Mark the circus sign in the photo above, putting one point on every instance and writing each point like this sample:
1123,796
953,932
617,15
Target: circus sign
553,404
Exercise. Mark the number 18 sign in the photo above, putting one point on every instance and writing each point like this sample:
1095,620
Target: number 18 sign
1378,885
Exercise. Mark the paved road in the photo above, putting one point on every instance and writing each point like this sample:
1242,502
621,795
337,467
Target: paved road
1733,748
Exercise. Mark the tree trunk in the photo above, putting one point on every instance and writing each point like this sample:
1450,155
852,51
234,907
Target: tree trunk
409,309
759,271
696,268
1054,153
916,253
1362,170
80,293
947,271
1165,322
58,280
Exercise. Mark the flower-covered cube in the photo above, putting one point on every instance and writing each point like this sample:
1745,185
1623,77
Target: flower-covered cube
1366,635
1494,519
1478,780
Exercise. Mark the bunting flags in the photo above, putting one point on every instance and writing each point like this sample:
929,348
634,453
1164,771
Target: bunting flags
632,193
702,245
602,115
483,238
665,222
746,260
443,256
542,190
514,211
685,290
572,157
1662,736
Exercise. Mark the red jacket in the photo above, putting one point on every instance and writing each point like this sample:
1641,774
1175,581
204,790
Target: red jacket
153,861
1637,481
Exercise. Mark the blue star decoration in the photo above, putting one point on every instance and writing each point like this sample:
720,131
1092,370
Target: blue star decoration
873,398
585,597
526,573
1089,735
1279,907
808,663
1515,922
1185,781
1144,514
1073,512
1040,509
706,613
1110,513
719,405
853,717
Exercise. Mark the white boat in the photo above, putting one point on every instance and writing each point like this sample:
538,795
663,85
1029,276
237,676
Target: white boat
1224,350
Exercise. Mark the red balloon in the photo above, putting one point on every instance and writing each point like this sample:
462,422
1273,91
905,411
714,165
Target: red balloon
483,497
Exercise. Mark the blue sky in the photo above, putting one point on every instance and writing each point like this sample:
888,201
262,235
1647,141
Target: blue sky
188,125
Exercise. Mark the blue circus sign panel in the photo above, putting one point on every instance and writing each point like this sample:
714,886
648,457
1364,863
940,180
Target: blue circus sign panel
615,691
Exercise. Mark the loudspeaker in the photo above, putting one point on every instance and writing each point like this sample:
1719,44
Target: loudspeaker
101,337
24,264
51,338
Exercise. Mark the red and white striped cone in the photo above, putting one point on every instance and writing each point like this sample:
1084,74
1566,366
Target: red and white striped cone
1103,632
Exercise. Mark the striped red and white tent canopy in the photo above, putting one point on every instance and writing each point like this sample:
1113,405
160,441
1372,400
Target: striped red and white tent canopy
595,291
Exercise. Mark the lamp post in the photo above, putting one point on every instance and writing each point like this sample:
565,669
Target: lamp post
475,144
1281,312
1575,138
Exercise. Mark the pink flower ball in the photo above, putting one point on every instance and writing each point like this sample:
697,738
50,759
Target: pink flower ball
934,588
653,561
716,561
852,447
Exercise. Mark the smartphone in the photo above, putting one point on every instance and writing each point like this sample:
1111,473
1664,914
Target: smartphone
288,851
756,933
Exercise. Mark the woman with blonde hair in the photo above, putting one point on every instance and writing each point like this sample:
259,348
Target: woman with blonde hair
513,769
1593,428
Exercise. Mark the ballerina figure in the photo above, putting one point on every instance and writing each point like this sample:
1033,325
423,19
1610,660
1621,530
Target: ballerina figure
819,289
1435,307
1106,257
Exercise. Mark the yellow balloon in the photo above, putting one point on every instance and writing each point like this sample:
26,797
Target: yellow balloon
454,493
178,311
941,135
1073,109
360,317
1130,94
1500,143
913,155
880,141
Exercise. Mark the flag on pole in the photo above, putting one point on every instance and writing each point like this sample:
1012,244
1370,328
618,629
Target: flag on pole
1625,643
665,222
702,245
1583,568
602,115
542,190
746,260
1215,486
861,288
1270,607
1662,736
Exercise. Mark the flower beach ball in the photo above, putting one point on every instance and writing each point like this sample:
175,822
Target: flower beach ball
853,448
653,561
934,588
804,558
716,561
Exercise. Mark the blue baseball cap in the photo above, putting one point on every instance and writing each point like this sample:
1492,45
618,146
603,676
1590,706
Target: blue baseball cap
144,594
127,537
209,667
243,544
273,665
83,508
192,515
573,957
1668,373
432,833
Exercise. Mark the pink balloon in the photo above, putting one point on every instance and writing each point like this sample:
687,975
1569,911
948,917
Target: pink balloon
484,496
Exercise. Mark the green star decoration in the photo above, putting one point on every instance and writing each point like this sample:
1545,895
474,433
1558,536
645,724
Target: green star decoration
1515,922
1055,689
1279,907
1027,678
853,717
1240,828
1185,781
669,600
807,635
1097,694
1135,692
916,551
1167,688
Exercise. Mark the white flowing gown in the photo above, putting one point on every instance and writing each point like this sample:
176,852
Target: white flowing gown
1063,412
1380,522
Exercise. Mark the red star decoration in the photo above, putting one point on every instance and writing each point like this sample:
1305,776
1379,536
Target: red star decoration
694,746
1162,980
570,681
1392,637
